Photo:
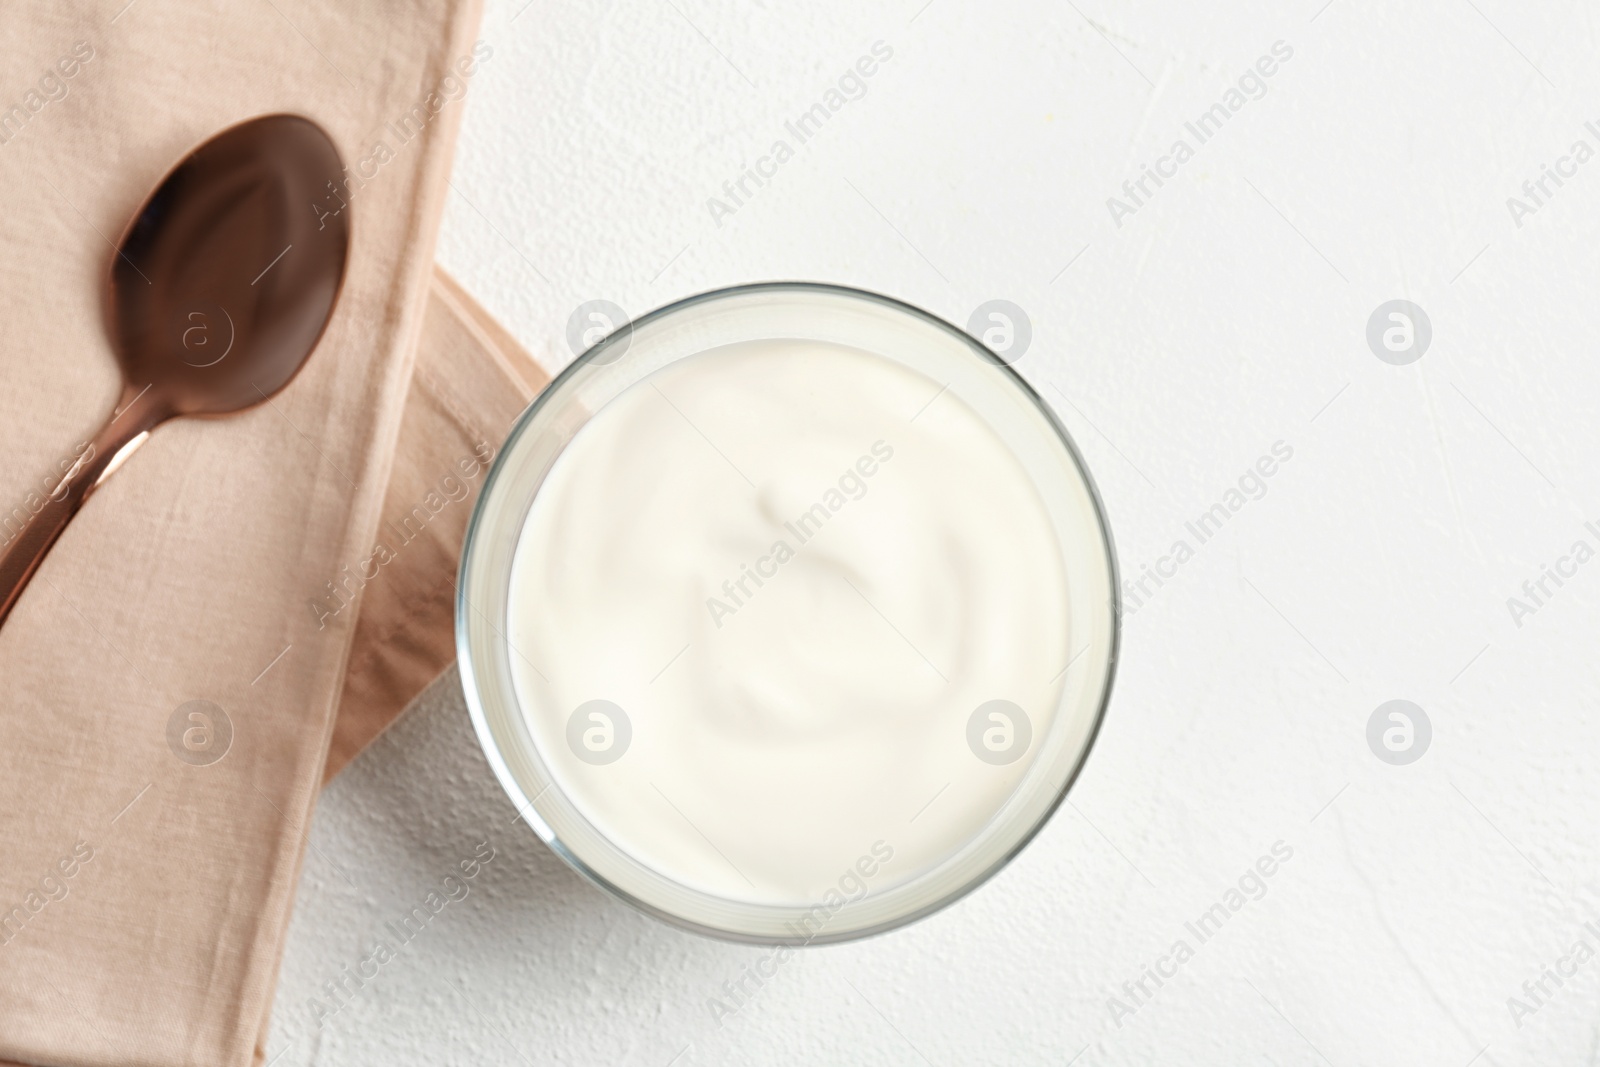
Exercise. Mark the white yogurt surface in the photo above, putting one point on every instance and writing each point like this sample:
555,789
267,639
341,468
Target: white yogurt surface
798,570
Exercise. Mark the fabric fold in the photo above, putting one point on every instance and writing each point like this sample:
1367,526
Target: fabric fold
472,380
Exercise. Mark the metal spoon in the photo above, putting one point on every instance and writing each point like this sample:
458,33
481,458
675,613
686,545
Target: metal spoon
219,291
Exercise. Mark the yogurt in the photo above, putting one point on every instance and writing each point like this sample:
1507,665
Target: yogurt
786,614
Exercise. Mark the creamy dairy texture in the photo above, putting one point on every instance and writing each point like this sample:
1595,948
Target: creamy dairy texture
798,569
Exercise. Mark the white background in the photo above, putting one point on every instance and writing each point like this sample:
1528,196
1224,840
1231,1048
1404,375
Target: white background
1227,314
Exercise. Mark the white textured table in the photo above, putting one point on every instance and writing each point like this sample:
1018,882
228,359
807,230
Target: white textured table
1181,334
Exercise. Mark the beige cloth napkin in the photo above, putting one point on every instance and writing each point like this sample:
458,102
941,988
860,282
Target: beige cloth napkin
144,891
472,380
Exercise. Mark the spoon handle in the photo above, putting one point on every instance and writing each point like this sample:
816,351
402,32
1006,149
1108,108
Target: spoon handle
23,550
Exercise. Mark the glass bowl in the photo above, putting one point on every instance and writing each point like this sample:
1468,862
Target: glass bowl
837,316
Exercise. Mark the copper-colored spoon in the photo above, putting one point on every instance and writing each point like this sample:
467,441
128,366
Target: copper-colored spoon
220,289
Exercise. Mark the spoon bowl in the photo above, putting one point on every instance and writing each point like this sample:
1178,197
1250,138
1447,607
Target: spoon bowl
226,278
220,289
